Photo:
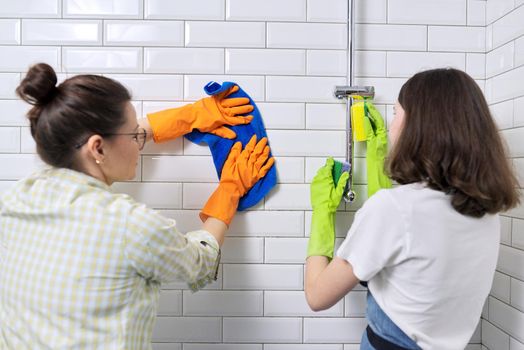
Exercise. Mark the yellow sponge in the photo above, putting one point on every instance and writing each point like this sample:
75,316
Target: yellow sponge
358,114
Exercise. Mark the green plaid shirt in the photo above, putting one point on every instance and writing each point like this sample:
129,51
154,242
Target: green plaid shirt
81,266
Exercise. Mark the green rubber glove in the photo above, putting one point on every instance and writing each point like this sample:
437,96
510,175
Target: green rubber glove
325,198
377,150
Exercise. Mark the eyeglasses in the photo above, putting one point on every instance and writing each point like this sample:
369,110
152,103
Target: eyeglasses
139,137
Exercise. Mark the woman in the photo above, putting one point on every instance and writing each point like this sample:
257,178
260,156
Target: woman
81,266
428,248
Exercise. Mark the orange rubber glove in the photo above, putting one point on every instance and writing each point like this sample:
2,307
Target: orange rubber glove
209,114
241,171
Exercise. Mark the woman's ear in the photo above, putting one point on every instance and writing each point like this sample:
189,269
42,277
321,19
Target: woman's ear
95,148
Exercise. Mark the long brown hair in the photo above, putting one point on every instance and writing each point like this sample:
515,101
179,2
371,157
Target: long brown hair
450,141
65,114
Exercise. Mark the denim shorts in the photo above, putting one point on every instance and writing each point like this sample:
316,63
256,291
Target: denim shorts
382,326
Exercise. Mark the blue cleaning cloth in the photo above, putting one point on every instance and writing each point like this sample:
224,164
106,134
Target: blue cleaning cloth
220,147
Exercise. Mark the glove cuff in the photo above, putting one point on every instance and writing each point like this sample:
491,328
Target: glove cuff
222,204
322,237
171,123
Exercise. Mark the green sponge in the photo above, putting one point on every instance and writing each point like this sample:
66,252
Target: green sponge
338,169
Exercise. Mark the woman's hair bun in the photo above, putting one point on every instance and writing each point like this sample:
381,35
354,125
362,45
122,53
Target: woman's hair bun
39,85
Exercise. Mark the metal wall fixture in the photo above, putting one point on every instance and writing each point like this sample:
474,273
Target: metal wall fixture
349,92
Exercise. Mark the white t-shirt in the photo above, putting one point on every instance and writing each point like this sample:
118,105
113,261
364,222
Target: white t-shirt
429,268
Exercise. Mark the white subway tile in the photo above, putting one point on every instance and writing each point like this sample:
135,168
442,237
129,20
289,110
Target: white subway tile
252,85
386,37
508,85
489,37
457,39
179,168
184,10
307,143
173,147
268,223
282,115
511,261
302,89
285,250
497,9
517,294
13,111
405,64
166,346
386,89
152,86
370,63
370,11
326,116
259,276
31,8
507,318
102,59
355,304
151,107
27,143
293,303
269,10
187,329
518,212
304,347
183,60
333,330
508,27
189,346
500,60
243,250
223,303
290,169
357,347
307,35
17,166
19,58
327,11
154,195
505,230
9,31
476,13
476,337
289,197
476,65
144,33
446,12
265,61
501,287
261,329
9,140
503,114
192,149
519,52
170,303
327,62
103,8
515,344
517,232
518,118
228,34
61,32
199,193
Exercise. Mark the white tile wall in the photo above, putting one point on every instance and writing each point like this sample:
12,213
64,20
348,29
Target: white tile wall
288,55
504,324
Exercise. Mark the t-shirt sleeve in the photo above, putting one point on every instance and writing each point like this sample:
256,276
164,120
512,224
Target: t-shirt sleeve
377,237
157,250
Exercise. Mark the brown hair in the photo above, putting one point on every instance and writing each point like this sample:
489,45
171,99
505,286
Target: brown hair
450,141
63,115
